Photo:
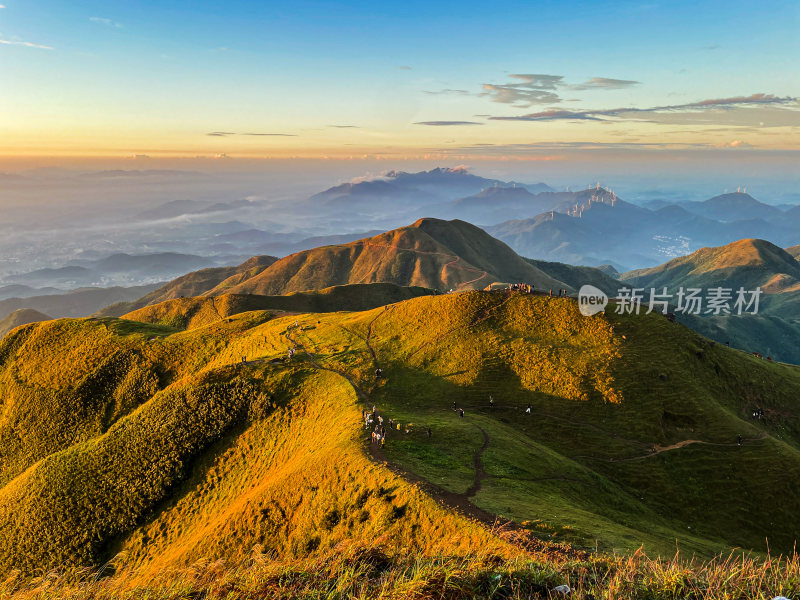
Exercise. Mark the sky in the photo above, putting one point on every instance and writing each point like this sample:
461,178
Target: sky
425,81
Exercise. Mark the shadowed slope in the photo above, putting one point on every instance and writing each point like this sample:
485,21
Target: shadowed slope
189,313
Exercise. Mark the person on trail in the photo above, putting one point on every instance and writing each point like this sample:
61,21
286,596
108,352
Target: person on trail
429,432
740,439
378,373
398,426
383,442
491,402
551,291
460,412
380,419
390,421
383,430
528,410
455,406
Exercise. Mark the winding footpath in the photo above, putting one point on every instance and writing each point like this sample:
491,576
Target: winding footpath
463,502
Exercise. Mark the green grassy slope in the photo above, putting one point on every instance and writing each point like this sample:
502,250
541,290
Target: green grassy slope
602,389
134,437
163,444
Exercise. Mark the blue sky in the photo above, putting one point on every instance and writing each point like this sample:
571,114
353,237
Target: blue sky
158,77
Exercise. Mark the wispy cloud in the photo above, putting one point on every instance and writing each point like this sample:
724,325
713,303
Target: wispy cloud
6,42
106,22
604,83
228,133
447,91
653,113
345,126
529,89
446,123
404,68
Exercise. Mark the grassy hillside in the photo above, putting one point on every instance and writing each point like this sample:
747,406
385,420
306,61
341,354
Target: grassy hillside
188,313
768,335
746,263
22,316
794,251
749,264
192,284
171,446
430,253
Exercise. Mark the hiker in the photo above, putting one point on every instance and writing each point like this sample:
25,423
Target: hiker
378,373
528,410
383,442
461,412
491,402
390,421
740,439
551,291
455,407
429,433
380,419
383,430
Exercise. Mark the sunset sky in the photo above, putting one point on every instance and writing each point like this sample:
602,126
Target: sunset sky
523,81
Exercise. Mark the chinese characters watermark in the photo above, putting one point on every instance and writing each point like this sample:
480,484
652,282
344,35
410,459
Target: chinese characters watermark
690,301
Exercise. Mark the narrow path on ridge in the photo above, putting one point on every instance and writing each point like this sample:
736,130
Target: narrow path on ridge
480,473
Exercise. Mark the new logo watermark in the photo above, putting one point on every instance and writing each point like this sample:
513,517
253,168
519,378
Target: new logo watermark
591,300
690,301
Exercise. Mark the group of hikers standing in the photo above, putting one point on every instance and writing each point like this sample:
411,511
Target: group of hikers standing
382,426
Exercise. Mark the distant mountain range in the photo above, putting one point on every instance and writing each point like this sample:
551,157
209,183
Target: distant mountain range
595,227
592,226
76,303
736,206
114,269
